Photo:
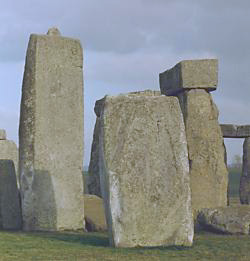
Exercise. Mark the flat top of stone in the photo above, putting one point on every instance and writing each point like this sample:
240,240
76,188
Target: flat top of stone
2,134
190,74
146,93
53,32
143,93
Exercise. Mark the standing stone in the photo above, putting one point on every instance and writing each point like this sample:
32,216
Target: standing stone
10,209
8,149
144,168
94,214
2,134
208,171
245,177
94,186
51,134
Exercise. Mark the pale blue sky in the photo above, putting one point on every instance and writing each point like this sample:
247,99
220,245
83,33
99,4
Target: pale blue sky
127,44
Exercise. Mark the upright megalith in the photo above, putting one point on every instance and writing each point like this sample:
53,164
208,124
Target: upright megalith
8,149
10,209
245,177
51,134
192,81
143,164
2,134
94,186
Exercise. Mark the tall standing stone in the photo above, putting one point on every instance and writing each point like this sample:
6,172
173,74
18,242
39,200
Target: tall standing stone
10,209
8,149
94,186
245,177
144,168
51,134
191,81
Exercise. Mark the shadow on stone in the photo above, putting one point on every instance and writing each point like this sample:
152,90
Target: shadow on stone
10,209
41,212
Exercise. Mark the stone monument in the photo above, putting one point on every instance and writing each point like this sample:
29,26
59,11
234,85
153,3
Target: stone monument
144,172
51,134
8,149
245,177
10,209
191,81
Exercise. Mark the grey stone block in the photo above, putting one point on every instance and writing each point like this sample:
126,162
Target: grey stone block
144,172
208,171
245,176
2,134
190,74
10,209
235,131
51,134
228,220
8,150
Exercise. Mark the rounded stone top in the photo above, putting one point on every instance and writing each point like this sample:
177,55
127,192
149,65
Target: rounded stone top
2,134
53,32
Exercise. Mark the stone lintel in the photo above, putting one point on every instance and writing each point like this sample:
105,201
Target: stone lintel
2,134
235,131
190,74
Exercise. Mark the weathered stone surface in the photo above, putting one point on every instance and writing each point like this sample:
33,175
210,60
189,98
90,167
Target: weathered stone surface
243,131
190,74
208,171
10,209
94,173
245,177
51,134
144,171
94,213
229,220
235,131
2,134
229,130
8,150
53,32
94,176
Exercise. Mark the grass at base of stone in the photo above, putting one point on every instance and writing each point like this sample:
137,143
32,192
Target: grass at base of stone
94,246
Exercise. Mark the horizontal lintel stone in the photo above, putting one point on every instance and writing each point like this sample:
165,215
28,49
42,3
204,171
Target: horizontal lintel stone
235,131
190,74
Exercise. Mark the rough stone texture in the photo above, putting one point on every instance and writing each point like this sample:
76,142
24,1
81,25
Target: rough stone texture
243,131
8,150
2,134
10,209
245,177
228,220
190,74
94,213
144,171
235,131
208,171
51,134
94,186
94,176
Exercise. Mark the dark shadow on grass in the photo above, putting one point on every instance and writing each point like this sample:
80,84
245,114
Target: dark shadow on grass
90,239
161,248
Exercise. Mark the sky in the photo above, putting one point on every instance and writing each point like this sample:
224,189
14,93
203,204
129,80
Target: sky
127,44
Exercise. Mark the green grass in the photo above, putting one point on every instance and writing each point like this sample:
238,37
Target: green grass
94,246
234,182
